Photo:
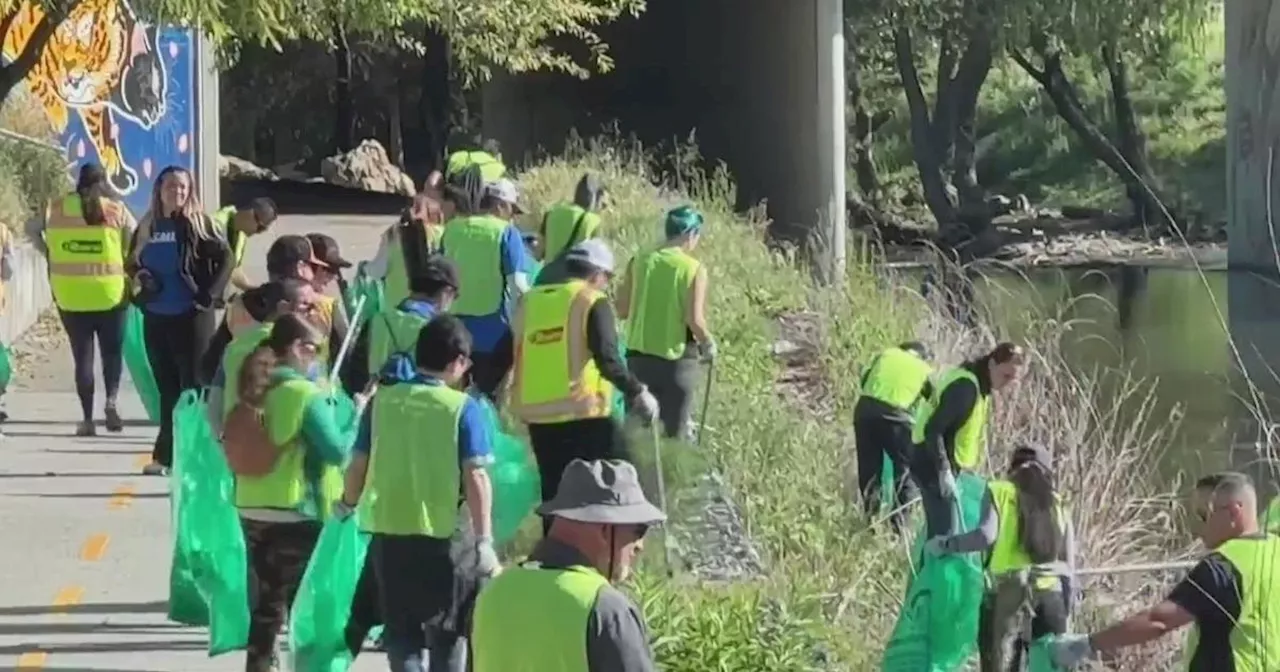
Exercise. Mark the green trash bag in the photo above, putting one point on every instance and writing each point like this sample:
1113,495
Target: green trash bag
318,620
6,367
937,630
363,286
1040,659
135,357
208,538
517,488
619,400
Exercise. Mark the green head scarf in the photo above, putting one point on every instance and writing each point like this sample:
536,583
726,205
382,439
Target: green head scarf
683,220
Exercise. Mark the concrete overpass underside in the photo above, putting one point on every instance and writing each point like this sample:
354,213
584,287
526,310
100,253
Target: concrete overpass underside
760,83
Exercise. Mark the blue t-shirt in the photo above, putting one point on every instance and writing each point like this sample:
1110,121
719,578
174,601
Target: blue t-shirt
399,367
487,330
162,256
474,444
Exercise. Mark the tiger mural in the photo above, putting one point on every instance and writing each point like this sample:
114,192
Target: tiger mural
104,63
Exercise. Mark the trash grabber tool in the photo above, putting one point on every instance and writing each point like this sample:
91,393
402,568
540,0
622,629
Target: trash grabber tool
346,342
706,402
656,432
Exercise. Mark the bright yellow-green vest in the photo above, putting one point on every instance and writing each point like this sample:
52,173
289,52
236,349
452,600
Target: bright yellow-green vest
660,287
1255,637
555,378
287,487
971,435
530,619
393,331
86,261
238,350
414,483
491,167
559,225
1008,554
1271,519
396,282
474,243
897,378
223,219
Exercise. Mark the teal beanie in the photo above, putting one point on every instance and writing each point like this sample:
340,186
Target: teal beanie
682,220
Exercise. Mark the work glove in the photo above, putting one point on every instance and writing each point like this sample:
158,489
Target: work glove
935,546
342,510
487,563
708,351
647,406
361,402
1071,651
947,483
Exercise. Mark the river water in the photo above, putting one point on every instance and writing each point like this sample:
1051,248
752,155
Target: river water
1161,324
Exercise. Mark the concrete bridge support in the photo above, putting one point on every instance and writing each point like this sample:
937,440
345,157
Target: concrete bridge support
761,84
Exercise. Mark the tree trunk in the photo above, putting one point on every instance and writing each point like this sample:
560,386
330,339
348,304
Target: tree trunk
395,126
1131,141
971,74
344,123
17,70
434,106
927,161
864,166
943,102
1066,102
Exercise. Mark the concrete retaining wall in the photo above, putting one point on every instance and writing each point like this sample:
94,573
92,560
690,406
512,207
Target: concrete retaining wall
26,294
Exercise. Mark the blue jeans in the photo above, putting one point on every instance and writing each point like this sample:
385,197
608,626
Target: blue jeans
416,587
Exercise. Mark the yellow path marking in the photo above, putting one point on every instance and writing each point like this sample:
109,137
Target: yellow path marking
121,498
142,460
94,547
32,661
66,598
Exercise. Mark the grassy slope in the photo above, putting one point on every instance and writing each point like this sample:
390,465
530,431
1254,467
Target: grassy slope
1181,107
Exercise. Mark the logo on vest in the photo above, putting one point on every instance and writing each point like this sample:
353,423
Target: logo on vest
82,247
547,336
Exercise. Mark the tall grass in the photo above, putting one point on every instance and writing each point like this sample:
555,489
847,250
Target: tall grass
835,580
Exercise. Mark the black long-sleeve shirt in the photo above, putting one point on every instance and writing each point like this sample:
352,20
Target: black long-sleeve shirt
602,341
953,408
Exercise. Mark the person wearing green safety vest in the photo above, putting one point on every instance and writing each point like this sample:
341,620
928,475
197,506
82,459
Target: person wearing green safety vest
281,511
567,224
663,298
393,333
238,225
1272,518
489,253
1231,598
487,158
558,611
422,451
263,305
950,431
1028,544
891,390
421,224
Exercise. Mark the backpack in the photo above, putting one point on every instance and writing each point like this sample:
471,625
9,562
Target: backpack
245,440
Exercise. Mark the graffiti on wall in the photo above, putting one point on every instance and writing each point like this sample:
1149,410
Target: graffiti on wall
117,90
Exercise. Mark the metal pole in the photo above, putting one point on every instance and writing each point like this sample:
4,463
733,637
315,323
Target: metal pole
706,403
831,129
346,342
656,430
1182,565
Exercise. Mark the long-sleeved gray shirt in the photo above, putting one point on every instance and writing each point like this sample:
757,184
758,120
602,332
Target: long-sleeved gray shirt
617,639
983,537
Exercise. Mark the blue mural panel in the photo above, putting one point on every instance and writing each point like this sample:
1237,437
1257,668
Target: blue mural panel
119,91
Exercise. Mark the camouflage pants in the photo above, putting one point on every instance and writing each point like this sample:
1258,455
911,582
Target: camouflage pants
1010,601
278,555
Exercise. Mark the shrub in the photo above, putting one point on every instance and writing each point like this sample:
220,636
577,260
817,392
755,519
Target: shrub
779,433
30,173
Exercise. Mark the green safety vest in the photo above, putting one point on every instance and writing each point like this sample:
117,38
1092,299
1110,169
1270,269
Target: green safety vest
393,331
971,436
659,302
223,219
1255,639
233,358
474,243
530,619
491,167
897,378
1271,519
287,487
1008,554
559,224
414,481
396,284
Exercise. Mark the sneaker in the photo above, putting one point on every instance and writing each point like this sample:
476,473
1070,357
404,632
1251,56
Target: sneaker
115,424
4,416
155,469
86,428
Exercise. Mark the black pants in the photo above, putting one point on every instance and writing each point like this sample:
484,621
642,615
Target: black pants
366,609
556,445
879,435
107,327
482,372
415,577
278,556
672,383
941,517
175,347
1000,645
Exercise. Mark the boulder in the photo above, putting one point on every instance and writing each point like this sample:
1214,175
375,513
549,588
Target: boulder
235,168
367,167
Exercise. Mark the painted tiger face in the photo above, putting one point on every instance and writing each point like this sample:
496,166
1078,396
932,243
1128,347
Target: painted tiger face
144,83
84,79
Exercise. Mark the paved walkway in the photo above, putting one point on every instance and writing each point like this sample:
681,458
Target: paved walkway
86,538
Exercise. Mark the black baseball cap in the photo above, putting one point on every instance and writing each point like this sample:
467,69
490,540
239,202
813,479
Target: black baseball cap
326,249
288,251
440,270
